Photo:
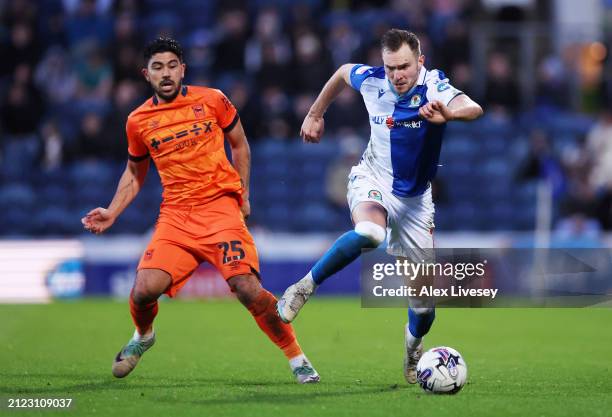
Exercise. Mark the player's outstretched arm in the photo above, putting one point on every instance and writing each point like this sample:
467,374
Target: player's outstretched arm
100,219
461,108
241,159
314,125
464,108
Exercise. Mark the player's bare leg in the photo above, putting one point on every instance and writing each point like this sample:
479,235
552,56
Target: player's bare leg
150,284
370,221
261,304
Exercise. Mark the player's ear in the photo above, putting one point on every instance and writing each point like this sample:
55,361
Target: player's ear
422,60
145,73
183,66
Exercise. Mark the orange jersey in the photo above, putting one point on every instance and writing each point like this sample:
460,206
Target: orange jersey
185,138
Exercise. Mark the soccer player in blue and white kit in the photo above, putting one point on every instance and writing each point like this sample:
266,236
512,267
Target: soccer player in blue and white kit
390,188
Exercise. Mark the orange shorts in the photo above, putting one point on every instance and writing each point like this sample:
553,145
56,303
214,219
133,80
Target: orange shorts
186,236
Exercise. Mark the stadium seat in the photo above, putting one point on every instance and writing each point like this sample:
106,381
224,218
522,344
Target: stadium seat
16,221
16,194
459,146
314,213
56,220
466,216
279,217
494,145
53,193
19,156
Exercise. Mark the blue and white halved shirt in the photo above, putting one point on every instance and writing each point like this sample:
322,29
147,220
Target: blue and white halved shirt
404,149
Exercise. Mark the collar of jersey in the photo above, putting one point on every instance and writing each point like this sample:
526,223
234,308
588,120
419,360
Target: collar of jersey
407,93
183,93
400,96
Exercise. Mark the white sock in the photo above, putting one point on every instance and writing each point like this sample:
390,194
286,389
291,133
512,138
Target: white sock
138,337
412,342
297,361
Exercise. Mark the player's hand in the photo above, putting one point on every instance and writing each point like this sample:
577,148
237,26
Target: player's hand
436,112
98,220
246,208
312,128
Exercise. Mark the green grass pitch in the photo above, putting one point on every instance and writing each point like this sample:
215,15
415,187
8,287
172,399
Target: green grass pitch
211,360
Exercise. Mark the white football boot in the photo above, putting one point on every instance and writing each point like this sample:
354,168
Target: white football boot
294,298
411,359
128,357
306,373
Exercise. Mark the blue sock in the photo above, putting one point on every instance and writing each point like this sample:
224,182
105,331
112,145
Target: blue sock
344,251
419,324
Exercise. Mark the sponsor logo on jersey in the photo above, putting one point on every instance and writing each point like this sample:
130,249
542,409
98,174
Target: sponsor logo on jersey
411,124
362,69
415,101
381,92
375,195
378,120
148,254
443,87
189,136
155,144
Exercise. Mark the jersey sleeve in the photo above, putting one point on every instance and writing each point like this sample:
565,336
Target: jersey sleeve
227,115
137,150
439,87
359,73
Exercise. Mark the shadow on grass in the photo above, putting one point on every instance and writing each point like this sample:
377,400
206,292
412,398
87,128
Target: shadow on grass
305,395
237,391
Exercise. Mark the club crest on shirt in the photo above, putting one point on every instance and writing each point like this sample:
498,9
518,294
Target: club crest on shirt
375,195
415,101
198,111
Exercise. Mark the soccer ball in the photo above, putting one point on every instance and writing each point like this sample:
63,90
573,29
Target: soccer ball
441,370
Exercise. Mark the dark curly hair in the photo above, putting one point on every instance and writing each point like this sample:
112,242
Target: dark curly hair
163,44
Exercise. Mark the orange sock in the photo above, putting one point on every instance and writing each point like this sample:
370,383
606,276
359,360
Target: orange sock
281,334
143,315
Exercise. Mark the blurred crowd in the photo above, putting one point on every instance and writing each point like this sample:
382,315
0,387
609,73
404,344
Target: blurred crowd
71,75
579,176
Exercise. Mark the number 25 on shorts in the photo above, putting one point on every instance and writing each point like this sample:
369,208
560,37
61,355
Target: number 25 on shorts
236,251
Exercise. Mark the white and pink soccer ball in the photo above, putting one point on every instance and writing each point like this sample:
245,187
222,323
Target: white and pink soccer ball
441,370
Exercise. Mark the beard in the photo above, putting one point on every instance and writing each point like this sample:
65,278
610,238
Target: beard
167,97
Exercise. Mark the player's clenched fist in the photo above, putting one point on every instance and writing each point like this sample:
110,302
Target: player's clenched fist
98,220
312,128
436,112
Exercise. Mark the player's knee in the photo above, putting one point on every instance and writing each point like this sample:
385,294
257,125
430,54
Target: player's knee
141,296
246,288
374,232
149,285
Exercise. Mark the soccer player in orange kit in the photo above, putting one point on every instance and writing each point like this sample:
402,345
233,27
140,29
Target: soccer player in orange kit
205,204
